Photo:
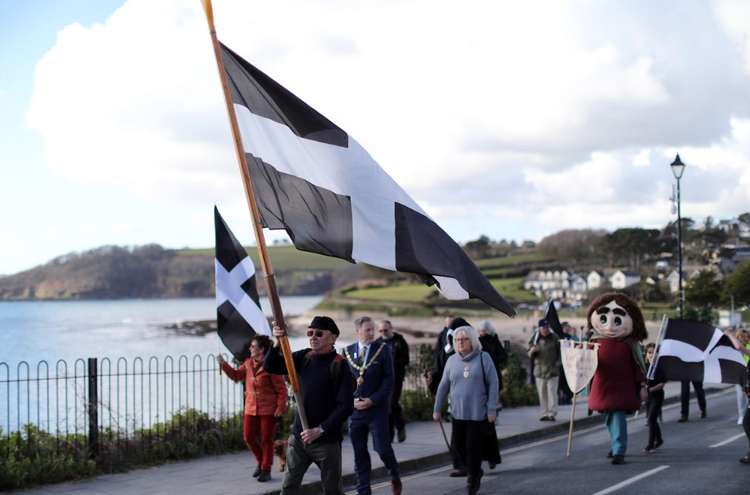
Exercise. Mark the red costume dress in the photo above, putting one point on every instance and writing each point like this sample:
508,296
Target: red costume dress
615,386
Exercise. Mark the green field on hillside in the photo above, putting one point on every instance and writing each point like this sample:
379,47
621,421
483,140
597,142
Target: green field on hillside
506,261
510,288
282,258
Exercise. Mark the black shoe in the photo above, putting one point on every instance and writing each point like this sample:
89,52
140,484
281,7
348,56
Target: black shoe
551,418
474,483
658,443
609,455
649,448
746,459
683,419
402,435
618,459
264,476
703,414
457,473
257,472
492,465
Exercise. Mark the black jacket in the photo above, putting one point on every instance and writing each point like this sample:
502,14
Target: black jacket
378,384
492,346
400,354
326,387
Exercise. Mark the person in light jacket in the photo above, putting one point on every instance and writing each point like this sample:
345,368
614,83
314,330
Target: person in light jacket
265,402
471,381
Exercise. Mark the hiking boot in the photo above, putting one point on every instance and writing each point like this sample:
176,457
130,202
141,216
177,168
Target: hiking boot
264,476
257,472
618,459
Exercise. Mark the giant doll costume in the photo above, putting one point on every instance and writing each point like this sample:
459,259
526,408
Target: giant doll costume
618,386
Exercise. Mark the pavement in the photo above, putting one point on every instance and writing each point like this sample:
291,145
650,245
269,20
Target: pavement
424,450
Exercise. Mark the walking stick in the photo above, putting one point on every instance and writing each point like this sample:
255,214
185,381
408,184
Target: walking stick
447,443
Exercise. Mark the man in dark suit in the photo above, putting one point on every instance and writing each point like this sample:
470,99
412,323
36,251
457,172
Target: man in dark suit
400,353
371,364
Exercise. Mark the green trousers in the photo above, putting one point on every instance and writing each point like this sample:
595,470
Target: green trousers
327,456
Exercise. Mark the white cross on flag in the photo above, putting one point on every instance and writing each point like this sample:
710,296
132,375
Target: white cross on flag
696,351
238,313
315,181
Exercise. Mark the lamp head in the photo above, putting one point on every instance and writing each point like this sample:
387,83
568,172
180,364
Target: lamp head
677,167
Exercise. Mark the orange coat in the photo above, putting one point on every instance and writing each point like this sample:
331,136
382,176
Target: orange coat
265,394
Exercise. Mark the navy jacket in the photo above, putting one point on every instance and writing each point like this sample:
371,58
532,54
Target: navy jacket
378,385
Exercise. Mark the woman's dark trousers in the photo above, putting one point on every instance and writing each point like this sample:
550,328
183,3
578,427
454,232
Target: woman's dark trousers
468,441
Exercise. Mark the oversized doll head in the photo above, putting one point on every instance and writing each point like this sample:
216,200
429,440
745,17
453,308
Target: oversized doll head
615,316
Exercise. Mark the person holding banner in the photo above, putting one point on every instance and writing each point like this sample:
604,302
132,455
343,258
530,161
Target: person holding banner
265,402
618,327
327,392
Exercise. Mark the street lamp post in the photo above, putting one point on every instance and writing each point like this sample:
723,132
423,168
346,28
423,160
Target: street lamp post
677,169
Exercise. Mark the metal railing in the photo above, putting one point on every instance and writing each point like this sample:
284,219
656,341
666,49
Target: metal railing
118,404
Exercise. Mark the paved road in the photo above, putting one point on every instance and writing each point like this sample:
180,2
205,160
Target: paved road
699,457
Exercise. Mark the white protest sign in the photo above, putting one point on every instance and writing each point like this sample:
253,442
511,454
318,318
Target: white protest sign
579,360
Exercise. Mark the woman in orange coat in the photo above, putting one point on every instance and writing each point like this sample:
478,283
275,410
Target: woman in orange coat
265,401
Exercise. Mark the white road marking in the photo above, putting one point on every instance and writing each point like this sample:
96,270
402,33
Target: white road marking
632,480
728,440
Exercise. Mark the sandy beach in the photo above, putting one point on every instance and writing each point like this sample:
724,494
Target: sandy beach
424,330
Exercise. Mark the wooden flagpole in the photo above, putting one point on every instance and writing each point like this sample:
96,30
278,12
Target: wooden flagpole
260,239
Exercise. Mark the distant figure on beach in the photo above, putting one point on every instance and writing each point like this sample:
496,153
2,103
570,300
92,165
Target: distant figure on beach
371,365
265,402
400,351
327,394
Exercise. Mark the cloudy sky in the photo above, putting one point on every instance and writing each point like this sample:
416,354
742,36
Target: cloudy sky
510,119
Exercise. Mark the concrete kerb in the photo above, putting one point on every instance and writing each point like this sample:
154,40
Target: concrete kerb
434,460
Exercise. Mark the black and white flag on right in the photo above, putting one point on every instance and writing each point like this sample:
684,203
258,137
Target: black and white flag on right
238,313
696,351
315,181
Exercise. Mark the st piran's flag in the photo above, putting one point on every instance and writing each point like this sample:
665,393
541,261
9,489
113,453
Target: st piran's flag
238,313
315,181
552,319
696,351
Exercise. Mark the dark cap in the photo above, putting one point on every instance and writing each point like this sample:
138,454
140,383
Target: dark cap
458,322
324,323
543,323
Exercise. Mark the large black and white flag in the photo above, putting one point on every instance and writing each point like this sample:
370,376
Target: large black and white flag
696,351
238,313
315,181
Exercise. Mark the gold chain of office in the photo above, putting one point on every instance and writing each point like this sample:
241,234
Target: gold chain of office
363,367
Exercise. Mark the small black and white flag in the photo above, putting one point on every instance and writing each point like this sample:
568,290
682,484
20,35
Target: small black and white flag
552,319
238,313
315,181
696,351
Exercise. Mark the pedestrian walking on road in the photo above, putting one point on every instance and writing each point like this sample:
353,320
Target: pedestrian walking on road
653,404
371,365
470,380
741,342
400,351
544,349
327,392
265,402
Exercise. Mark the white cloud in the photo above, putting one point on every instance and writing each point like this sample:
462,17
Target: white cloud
489,109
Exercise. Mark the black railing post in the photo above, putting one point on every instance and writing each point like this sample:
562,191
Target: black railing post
93,408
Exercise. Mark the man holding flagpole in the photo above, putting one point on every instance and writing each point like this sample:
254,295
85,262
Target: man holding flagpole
327,393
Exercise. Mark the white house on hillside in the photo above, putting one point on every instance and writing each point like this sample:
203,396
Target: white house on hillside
622,279
556,284
594,279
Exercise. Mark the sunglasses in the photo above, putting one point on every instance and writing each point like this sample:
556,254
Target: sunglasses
317,333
